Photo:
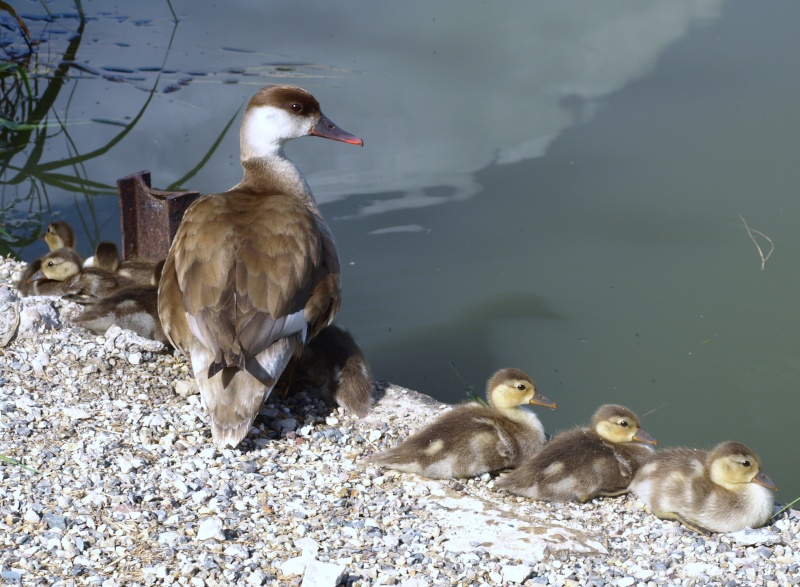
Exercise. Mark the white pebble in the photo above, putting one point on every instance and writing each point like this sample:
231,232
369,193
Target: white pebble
211,528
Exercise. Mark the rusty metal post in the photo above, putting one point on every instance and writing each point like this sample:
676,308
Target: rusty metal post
149,218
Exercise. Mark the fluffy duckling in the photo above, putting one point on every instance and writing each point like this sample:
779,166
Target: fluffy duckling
253,272
60,273
722,490
106,257
583,463
333,362
133,308
59,235
472,438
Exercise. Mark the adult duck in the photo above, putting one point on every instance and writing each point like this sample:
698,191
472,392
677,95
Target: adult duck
253,272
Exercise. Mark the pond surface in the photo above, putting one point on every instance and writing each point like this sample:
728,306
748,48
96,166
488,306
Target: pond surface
558,187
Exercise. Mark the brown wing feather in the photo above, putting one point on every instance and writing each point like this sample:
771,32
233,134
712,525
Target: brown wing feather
243,263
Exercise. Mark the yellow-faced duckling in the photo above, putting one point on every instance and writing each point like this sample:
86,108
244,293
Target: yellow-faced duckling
133,308
253,272
584,463
722,490
60,273
59,235
333,362
473,438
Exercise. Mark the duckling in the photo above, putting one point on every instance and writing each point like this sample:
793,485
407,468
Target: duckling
253,272
722,490
473,438
61,273
584,463
138,270
59,235
133,308
106,257
333,362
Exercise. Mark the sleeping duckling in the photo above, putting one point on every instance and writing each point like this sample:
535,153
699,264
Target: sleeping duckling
60,273
134,308
472,438
584,463
723,490
106,257
333,362
59,235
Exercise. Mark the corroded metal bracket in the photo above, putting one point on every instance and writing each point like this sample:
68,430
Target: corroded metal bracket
149,218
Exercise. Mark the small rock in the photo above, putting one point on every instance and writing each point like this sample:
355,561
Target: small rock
55,521
295,566
626,582
697,569
76,413
308,545
135,358
211,528
256,578
186,387
31,517
10,575
516,573
319,574
750,537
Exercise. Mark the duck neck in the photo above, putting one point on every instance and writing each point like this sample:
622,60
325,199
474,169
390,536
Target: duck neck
275,174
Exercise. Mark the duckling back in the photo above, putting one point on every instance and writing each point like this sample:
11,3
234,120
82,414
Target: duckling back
582,463
709,491
134,308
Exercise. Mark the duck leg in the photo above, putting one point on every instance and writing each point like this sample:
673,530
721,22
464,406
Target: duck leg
691,524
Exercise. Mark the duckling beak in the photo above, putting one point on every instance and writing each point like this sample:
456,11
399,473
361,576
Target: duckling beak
326,129
763,479
643,436
36,276
540,400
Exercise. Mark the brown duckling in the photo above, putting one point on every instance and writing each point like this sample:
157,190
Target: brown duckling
59,235
61,273
333,362
584,463
134,308
106,257
473,438
722,490
253,272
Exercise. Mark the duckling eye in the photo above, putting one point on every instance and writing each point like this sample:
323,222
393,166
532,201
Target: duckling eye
521,386
50,263
297,107
624,423
746,463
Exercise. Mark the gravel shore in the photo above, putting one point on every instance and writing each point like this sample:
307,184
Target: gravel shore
121,486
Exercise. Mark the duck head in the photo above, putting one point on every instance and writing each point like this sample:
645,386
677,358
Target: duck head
278,114
58,265
509,388
59,235
732,465
618,424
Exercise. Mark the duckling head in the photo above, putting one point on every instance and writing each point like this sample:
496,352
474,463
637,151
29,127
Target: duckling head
59,235
510,388
618,424
106,256
733,465
59,265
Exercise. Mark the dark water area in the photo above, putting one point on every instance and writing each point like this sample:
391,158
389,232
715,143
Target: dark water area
559,187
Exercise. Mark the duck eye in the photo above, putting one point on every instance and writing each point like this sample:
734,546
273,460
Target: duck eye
297,107
746,463
521,386
624,423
